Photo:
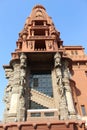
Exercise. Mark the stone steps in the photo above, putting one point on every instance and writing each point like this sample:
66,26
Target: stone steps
42,99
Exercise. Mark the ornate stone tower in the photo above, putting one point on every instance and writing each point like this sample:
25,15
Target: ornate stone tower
38,73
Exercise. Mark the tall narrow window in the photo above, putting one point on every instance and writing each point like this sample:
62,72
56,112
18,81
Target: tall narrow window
83,110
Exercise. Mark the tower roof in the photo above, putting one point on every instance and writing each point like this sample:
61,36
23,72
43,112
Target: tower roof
39,34
39,6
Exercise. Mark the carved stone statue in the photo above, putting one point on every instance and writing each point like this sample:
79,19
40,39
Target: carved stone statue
50,45
61,90
23,60
68,91
7,96
57,59
8,89
22,77
30,44
60,82
23,66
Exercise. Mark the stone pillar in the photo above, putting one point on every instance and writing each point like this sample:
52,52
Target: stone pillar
32,33
17,108
59,78
33,23
68,92
13,92
44,23
55,91
22,91
8,92
46,32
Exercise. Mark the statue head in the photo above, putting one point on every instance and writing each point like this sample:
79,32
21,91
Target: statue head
57,59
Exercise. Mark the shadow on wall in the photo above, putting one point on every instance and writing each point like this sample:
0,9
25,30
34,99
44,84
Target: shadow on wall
75,93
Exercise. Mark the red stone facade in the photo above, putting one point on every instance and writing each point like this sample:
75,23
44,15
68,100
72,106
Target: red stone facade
41,44
51,125
79,76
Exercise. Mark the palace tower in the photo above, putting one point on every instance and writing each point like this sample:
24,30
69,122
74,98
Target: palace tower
46,80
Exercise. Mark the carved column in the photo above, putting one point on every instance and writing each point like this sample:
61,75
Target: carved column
22,91
62,103
44,23
32,33
12,91
14,101
16,90
33,23
68,92
46,32
8,91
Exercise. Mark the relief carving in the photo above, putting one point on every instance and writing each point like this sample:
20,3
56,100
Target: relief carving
60,81
59,76
8,89
23,66
57,59
7,97
23,60
50,45
39,13
68,91
52,29
30,44
22,77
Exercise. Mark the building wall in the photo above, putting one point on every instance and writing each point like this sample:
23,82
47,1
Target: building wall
80,78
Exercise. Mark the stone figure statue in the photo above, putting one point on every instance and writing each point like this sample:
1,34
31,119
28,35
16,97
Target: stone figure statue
22,77
60,84
57,59
50,44
23,66
58,70
23,60
7,96
30,45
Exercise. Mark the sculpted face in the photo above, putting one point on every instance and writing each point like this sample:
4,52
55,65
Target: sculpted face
7,74
57,62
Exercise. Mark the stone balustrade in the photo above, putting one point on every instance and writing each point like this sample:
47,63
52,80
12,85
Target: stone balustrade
42,113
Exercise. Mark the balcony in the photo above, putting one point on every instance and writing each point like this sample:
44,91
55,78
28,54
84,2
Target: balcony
40,37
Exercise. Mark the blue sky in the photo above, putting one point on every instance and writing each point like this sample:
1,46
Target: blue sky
69,17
